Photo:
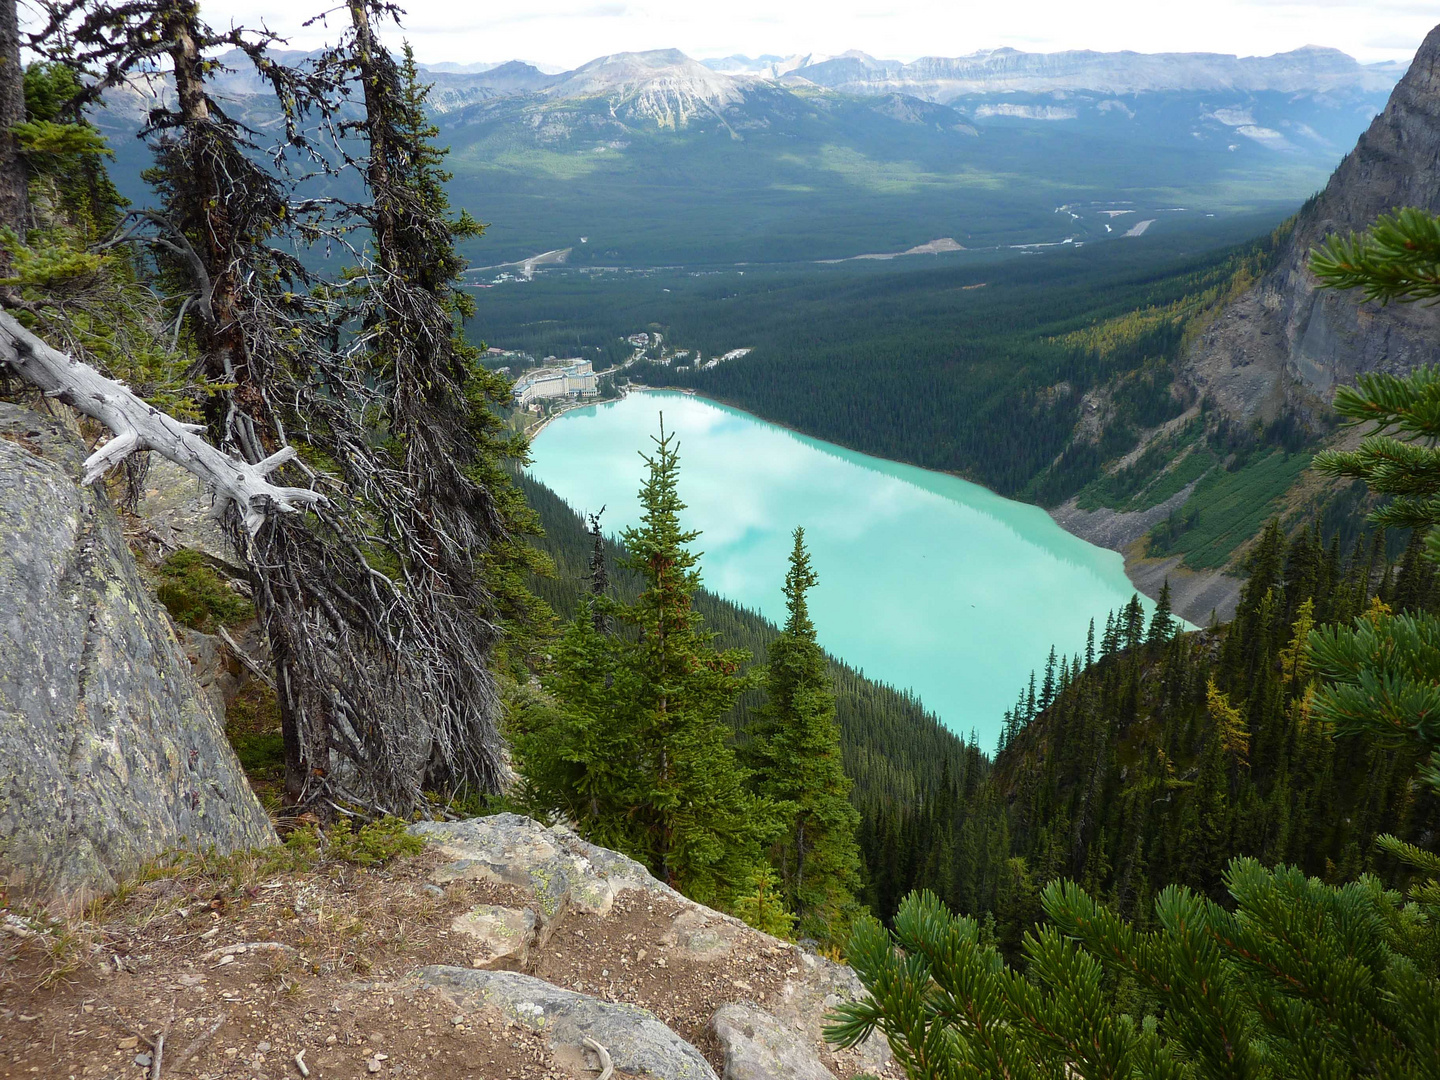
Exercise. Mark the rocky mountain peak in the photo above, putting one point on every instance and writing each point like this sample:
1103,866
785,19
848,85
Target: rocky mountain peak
662,85
1287,344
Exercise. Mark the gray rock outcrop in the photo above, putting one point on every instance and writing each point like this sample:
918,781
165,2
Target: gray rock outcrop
758,1047
561,874
638,1044
559,868
112,753
809,998
1285,342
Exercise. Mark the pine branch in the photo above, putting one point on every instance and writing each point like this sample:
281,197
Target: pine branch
1398,258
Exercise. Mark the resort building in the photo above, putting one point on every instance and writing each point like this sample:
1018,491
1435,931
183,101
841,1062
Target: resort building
568,378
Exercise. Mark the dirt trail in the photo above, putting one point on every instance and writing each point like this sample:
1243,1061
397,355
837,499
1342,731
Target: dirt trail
325,974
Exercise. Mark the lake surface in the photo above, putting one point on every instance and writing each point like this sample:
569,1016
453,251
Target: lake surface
927,582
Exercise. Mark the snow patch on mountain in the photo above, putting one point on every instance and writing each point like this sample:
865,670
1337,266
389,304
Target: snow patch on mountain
1026,112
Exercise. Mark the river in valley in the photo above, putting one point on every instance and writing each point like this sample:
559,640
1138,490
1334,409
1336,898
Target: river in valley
927,582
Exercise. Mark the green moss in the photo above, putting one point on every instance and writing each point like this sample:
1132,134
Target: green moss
252,724
374,844
197,596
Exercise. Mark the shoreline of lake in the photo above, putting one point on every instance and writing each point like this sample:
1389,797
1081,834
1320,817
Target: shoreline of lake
929,582
1196,593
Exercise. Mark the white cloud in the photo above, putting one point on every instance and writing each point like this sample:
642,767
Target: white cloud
569,32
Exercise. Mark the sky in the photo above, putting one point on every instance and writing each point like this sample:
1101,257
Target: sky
565,33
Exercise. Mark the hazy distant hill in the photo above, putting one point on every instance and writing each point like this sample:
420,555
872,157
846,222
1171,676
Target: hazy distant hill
939,78
653,158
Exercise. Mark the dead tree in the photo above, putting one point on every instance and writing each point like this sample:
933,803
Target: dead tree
377,602
138,427
14,190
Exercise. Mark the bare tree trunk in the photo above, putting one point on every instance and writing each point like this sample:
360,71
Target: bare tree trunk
14,190
222,338
139,426
378,168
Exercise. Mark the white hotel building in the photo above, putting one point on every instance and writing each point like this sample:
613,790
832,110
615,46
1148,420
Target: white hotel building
571,377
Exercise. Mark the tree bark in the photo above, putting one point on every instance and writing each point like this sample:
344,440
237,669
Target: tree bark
139,426
14,176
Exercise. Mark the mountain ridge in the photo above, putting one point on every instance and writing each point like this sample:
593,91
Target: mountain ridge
940,79
1286,344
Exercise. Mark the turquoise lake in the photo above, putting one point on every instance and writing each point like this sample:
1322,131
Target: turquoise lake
927,582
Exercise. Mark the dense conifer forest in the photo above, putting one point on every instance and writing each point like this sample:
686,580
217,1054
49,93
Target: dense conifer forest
1169,754
977,366
1152,760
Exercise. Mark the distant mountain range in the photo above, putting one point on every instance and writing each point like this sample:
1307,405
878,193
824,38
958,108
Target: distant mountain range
942,79
654,157
669,75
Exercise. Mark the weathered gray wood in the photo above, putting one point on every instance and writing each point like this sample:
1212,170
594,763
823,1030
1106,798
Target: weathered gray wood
139,426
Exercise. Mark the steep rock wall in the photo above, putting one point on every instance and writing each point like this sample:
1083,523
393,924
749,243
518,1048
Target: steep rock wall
1286,343
109,752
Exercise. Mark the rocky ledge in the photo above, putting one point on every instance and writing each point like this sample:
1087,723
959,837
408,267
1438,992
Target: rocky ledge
576,914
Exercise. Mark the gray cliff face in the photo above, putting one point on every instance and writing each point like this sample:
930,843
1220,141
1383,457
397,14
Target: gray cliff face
1287,343
111,752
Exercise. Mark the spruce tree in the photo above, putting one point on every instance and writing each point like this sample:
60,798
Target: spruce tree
794,750
633,746
1162,622
1132,623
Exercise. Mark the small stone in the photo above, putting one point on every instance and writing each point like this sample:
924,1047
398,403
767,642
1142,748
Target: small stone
143,1060
432,890
263,1048
330,1040
373,1065
128,1043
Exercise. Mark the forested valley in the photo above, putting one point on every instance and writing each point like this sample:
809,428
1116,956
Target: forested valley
1030,373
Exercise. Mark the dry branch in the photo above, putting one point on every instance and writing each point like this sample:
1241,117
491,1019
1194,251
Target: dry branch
139,426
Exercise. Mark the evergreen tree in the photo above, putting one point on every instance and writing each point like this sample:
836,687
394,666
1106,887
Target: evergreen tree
794,750
1162,622
1384,669
1110,642
1047,685
599,575
1293,978
1132,628
634,747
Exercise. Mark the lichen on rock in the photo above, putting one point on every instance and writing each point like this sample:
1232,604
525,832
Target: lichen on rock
112,752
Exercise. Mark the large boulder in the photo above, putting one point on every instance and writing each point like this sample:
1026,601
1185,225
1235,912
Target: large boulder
111,752
759,1047
808,999
638,1044
555,865
560,874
